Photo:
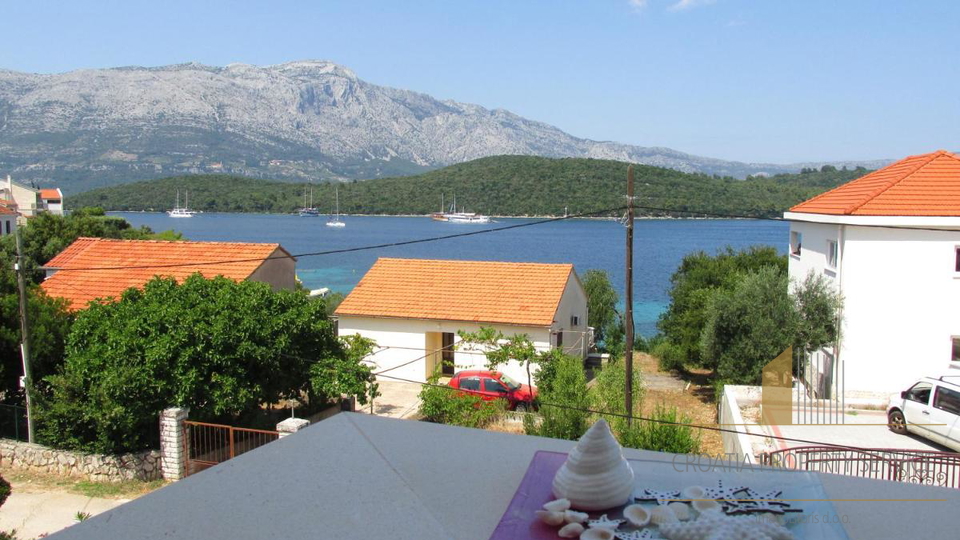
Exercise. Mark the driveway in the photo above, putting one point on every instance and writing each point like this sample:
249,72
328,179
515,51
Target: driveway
865,429
398,400
32,513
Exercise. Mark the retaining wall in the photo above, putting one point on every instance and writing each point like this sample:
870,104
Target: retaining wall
95,467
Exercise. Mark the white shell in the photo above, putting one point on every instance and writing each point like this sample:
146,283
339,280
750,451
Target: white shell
693,492
570,530
550,518
595,475
637,515
597,533
681,510
705,505
571,516
719,526
662,514
558,505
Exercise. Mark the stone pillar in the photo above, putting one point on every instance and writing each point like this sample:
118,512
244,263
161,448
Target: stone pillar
291,426
172,452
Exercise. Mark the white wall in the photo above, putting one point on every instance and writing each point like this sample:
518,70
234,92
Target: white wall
901,294
573,303
8,221
405,341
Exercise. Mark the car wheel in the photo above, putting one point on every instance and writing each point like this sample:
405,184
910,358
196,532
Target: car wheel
522,406
897,423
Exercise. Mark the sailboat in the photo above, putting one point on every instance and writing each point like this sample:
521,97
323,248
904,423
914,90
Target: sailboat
462,217
441,215
308,211
181,211
335,221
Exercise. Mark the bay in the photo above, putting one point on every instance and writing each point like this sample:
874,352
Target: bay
659,245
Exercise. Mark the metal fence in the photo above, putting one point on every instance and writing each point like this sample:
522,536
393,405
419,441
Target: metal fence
13,422
209,444
912,466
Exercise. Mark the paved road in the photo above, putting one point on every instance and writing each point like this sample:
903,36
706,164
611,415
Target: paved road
33,513
866,429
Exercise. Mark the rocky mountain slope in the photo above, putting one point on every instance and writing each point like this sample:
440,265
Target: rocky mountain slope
307,120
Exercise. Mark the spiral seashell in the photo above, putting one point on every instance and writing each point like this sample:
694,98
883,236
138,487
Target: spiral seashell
662,514
705,505
595,475
550,518
597,533
572,516
637,515
558,505
681,510
570,530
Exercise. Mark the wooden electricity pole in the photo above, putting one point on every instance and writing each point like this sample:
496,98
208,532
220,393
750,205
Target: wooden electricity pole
24,337
628,309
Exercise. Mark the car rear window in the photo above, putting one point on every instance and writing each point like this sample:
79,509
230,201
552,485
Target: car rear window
470,383
947,400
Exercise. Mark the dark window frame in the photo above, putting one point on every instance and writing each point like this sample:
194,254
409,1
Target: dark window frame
929,388
952,404
470,380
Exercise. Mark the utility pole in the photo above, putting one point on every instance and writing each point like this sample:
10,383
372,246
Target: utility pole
24,336
628,310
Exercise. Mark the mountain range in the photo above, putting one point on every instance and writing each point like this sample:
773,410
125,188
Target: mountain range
298,121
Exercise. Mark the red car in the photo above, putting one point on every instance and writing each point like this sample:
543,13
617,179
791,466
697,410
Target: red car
491,385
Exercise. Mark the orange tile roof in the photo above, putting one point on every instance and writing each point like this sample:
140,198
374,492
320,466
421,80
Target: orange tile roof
525,294
924,185
51,193
95,262
7,209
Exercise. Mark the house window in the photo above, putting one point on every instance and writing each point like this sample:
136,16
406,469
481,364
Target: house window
956,350
796,239
574,320
8,232
832,253
560,339
956,263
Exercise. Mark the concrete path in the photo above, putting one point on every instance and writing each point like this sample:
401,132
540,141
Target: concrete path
36,513
866,429
398,400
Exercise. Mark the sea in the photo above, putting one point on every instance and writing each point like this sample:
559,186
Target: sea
659,245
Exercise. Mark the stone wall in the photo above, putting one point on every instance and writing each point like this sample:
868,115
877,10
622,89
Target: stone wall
95,467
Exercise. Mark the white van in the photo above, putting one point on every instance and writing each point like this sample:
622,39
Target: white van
930,408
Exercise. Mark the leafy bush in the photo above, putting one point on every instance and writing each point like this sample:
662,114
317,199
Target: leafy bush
563,401
220,347
667,431
669,357
4,490
446,405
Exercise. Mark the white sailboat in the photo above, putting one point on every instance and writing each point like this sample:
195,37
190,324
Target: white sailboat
464,217
181,211
335,221
308,211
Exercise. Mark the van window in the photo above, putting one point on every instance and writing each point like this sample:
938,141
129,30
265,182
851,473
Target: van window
920,393
947,400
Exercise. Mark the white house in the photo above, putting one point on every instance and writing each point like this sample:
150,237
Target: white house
31,201
890,243
8,217
413,309
51,200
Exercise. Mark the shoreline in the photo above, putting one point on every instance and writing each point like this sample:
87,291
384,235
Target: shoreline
591,218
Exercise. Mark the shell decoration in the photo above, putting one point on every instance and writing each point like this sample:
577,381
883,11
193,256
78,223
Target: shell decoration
681,510
572,516
705,505
595,476
605,523
661,515
693,492
558,505
571,530
637,515
596,533
550,518
719,526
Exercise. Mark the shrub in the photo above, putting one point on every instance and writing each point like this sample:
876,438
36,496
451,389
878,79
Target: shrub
4,490
669,356
446,405
562,402
667,431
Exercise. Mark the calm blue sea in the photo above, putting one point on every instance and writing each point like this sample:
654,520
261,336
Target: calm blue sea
659,245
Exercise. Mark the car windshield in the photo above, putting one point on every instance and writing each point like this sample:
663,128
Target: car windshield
511,384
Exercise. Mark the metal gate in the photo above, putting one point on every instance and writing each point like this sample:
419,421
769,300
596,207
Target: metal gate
818,396
205,444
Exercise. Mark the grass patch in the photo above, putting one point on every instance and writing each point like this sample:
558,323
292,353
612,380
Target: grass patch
29,481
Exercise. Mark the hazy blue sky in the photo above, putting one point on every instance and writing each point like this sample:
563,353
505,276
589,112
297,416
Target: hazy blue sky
761,80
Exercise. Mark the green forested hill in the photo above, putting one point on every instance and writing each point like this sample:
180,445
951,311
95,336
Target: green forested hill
501,185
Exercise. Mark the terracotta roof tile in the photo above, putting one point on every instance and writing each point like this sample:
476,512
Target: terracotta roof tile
51,193
478,291
924,185
99,257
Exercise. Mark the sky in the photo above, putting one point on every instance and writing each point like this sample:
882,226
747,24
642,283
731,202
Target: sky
779,81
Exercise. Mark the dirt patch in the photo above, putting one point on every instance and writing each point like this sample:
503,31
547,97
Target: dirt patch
691,394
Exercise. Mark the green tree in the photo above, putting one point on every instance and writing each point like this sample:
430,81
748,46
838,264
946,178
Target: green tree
749,325
564,401
609,392
220,347
695,283
667,430
445,405
818,308
602,301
